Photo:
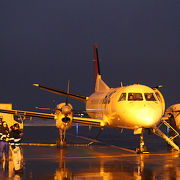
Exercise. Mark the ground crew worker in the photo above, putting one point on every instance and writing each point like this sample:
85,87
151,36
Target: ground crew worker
4,140
1,124
14,139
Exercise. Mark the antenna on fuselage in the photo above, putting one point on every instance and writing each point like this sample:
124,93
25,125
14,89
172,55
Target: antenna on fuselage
157,87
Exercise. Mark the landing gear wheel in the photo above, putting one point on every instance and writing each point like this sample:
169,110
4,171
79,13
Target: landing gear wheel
60,143
57,142
142,150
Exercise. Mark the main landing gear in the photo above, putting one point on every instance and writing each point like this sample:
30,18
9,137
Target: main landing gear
142,149
61,142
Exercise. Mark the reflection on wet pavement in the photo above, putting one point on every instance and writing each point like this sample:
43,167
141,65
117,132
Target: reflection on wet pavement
101,162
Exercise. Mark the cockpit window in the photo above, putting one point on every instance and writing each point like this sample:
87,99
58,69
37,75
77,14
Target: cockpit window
122,97
135,97
149,97
158,96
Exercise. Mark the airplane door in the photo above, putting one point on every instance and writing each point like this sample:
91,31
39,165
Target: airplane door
160,97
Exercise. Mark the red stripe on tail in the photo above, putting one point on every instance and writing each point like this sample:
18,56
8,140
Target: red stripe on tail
96,63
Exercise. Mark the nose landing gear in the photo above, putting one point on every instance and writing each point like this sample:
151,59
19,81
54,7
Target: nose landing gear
61,142
142,149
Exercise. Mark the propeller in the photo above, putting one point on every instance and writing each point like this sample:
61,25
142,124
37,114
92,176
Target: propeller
66,109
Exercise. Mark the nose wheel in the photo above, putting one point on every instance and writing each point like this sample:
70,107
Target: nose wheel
142,149
61,142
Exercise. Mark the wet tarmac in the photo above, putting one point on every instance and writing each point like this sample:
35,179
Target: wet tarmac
103,160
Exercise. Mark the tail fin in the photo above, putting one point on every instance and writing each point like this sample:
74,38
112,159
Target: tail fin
96,62
99,83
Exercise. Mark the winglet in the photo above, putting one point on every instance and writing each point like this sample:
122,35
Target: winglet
36,85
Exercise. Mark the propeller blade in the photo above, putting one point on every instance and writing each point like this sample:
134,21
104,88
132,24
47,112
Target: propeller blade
67,97
63,93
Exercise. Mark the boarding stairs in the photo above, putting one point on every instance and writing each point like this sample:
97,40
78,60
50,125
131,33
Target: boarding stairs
169,140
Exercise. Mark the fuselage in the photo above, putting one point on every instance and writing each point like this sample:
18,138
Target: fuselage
135,106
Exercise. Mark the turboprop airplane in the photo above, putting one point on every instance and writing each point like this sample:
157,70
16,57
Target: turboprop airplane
136,107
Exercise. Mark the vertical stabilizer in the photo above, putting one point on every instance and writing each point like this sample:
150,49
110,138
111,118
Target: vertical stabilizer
100,85
96,63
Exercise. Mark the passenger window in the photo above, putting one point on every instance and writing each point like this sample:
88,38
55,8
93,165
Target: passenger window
149,97
122,97
135,97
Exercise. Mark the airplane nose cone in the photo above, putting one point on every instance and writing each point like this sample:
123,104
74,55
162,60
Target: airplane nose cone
148,117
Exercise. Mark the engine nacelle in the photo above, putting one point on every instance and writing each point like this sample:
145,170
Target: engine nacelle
64,116
173,110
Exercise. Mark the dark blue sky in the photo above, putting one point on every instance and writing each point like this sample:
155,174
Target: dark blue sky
51,41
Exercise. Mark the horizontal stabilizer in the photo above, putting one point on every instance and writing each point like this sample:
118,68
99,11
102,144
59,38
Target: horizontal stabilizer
63,93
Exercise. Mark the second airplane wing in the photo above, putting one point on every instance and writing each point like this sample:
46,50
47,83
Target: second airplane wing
28,113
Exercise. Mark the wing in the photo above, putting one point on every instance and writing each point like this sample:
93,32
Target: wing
86,121
89,121
63,93
28,113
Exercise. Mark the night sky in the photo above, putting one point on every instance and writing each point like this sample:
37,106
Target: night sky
51,41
